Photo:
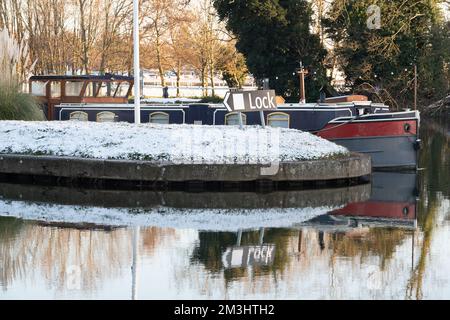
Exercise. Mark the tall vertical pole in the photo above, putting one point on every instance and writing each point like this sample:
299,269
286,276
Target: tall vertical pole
266,86
415,87
137,71
134,295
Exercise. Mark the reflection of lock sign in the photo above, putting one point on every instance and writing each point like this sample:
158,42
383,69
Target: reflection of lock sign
236,257
257,254
242,257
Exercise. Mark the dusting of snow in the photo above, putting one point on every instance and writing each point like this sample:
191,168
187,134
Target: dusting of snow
197,219
163,143
170,100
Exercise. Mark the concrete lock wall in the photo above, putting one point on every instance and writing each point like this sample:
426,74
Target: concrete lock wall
353,166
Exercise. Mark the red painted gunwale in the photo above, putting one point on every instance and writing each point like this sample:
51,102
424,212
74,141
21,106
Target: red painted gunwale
369,129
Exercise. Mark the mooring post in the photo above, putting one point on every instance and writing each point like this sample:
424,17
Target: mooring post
241,122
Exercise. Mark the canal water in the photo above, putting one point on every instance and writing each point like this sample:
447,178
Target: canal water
385,240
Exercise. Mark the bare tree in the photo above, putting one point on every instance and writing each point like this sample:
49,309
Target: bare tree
88,28
81,36
179,43
115,14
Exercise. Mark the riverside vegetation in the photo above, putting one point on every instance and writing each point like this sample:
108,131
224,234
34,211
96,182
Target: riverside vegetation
14,67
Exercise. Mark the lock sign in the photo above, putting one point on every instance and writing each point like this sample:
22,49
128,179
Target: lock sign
251,101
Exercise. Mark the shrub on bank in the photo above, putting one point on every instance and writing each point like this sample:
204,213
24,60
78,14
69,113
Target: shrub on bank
16,105
213,99
440,108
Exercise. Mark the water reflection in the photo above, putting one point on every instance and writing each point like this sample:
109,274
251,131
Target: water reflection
204,211
385,240
434,207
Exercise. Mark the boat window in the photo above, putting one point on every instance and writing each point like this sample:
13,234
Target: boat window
120,89
105,90
278,120
159,118
107,116
79,116
38,88
55,89
232,119
91,89
73,88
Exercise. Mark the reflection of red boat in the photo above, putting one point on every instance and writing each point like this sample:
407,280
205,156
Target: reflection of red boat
393,198
375,209
392,204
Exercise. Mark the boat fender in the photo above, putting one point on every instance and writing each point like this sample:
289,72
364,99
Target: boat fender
418,144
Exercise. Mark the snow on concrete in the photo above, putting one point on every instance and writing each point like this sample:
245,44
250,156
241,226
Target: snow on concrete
163,217
185,144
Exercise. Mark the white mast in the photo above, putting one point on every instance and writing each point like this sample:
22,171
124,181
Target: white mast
137,71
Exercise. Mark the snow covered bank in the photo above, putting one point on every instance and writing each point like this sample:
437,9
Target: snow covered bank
198,219
185,144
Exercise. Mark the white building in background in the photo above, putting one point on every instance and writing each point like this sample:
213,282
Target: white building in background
190,84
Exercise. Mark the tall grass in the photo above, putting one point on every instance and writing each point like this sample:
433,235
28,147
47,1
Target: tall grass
16,105
15,68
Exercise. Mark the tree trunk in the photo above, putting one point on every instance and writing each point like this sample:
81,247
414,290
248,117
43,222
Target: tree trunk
204,82
85,56
178,78
211,75
159,61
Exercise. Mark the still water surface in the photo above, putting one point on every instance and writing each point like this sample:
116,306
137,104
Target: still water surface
385,240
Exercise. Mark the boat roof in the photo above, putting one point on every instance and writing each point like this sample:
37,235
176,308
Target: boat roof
105,77
334,105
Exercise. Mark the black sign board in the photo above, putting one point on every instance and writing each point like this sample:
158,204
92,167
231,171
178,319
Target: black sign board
251,101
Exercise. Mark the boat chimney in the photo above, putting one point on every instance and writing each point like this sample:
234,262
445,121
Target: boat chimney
302,72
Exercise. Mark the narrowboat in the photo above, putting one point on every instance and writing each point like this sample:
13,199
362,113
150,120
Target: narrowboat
53,90
390,138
